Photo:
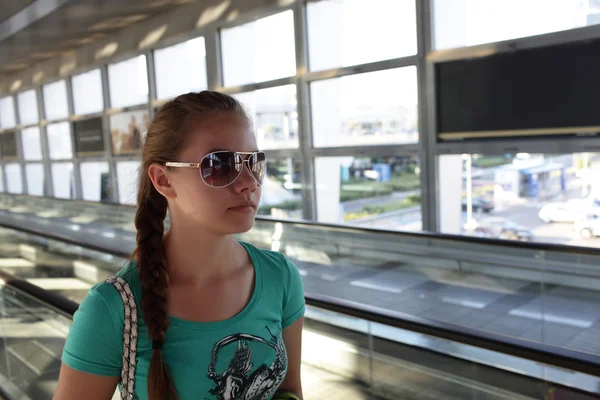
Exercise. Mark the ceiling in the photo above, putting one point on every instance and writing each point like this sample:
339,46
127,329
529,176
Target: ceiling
71,25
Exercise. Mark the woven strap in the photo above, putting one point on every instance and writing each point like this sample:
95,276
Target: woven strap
130,335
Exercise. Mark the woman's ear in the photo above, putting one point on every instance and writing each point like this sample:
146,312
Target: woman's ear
159,175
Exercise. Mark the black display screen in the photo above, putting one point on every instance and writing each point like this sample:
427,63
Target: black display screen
89,137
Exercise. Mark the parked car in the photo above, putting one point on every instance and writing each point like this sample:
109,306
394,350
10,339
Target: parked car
479,204
590,227
502,228
560,212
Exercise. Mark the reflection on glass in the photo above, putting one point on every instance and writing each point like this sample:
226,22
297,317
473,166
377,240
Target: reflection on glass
28,107
467,23
366,109
63,180
281,190
343,33
128,82
55,100
274,114
188,74
259,51
7,113
34,174
87,92
128,131
551,198
14,182
59,141
128,181
377,192
95,181
32,145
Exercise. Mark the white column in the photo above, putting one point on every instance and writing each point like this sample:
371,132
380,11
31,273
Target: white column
450,193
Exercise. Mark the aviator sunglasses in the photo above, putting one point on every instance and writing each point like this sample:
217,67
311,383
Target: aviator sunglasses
221,168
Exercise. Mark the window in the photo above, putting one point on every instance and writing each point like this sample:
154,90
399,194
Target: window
14,182
260,51
180,68
128,131
35,179
7,113
8,144
375,192
59,141
281,189
529,197
343,33
87,92
96,185
28,108
32,145
56,104
63,180
128,181
366,109
128,82
468,23
274,114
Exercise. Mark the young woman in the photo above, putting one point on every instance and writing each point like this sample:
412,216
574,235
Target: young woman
218,319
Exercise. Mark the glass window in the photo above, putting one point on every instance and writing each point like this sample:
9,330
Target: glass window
8,144
186,75
274,115
34,173
128,82
366,109
56,104
259,51
14,182
551,198
32,145
281,189
128,131
87,92
95,180
7,113
1,180
128,181
63,180
467,23
342,33
374,192
28,108
59,141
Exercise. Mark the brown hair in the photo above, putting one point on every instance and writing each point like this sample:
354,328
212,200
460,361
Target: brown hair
166,137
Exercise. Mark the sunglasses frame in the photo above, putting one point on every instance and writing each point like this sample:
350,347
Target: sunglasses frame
236,153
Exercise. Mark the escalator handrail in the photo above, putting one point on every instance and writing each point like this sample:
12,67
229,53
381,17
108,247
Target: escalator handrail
533,351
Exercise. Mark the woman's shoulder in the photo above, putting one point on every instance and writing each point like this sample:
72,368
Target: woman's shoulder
107,292
272,262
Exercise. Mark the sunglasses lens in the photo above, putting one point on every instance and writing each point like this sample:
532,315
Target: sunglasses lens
257,164
220,168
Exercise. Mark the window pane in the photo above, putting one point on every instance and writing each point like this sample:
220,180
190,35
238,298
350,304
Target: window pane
552,198
374,192
188,74
274,114
8,142
366,109
55,100
128,181
281,189
95,180
28,108
342,33
14,183
128,131
128,82
59,141
467,23
34,173
63,180
259,51
7,113
87,92
32,146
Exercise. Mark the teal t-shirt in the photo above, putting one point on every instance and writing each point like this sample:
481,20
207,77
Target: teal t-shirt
243,357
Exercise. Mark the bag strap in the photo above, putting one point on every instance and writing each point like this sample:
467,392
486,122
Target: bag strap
130,335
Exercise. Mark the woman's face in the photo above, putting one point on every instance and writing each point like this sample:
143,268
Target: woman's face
222,210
